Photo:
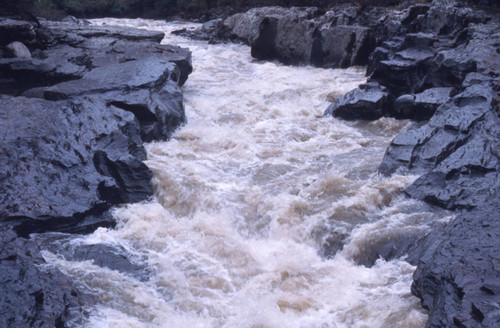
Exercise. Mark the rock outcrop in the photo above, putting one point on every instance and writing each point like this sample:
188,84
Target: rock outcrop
33,293
73,119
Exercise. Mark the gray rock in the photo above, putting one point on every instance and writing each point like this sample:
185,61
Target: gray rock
428,101
71,160
35,294
16,30
455,151
369,102
458,274
404,105
17,49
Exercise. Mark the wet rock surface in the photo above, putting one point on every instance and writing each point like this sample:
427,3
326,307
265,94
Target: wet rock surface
111,256
458,274
35,294
73,119
363,103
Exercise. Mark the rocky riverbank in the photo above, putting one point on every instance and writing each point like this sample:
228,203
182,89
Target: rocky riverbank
438,64
77,103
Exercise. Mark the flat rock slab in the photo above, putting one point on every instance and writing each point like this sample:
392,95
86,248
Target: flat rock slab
147,73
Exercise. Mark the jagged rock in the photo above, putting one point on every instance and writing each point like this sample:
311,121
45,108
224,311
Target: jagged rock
15,30
406,72
369,102
345,46
17,49
35,294
456,151
67,161
245,26
422,105
458,271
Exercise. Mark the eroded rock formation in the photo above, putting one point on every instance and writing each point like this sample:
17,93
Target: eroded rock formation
78,103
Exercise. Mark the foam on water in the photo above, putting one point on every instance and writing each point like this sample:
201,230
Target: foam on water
247,195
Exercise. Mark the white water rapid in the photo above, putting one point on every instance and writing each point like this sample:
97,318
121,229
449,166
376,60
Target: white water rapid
249,195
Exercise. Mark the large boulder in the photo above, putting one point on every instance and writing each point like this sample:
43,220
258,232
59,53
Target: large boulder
368,102
17,49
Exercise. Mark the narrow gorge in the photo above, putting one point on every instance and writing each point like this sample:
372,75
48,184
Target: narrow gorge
176,174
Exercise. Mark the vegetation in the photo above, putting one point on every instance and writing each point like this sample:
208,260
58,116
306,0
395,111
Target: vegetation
164,8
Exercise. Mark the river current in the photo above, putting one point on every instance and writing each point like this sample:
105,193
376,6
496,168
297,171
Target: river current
254,195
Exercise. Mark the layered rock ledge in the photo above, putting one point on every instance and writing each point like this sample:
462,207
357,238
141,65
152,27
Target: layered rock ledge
438,64
77,104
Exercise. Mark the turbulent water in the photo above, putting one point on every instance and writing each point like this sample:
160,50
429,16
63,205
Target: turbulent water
253,197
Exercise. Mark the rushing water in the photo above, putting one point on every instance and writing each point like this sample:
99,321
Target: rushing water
248,194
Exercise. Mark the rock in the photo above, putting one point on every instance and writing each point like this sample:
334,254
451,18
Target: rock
110,90
149,73
16,30
421,106
111,256
66,160
18,50
304,35
456,151
428,101
35,294
405,73
345,46
20,74
404,105
245,26
458,271
369,102
69,161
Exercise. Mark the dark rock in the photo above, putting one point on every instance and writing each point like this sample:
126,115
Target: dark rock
406,72
345,46
17,49
404,105
245,26
66,161
369,102
70,160
456,151
129,75
111,257
35,294
16,30
19,74
421,106
428,101
458,271
263,44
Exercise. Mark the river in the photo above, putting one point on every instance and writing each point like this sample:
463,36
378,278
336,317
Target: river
254,195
